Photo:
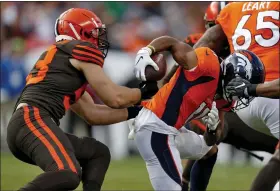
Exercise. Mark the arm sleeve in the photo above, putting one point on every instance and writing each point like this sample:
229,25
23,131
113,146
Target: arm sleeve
224,18
207,62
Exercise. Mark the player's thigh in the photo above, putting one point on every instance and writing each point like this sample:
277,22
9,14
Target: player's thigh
15,131
191,145
241,135
262,114
269,112
162,159
46,144
86,148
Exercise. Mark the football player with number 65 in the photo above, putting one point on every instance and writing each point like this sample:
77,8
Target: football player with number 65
253,26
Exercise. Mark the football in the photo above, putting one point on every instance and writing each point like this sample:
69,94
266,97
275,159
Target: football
151,73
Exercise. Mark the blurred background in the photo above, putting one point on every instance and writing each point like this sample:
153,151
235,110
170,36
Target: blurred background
27,28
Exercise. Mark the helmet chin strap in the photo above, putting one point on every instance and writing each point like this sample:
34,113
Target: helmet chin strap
63,37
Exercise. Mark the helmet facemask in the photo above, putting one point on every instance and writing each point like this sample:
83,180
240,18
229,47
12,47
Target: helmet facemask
230,69
102,40
99,37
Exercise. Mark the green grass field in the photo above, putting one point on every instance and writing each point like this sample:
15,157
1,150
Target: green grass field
128,174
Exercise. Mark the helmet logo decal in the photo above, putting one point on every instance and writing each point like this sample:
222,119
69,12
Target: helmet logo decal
94,22
75,32
244,67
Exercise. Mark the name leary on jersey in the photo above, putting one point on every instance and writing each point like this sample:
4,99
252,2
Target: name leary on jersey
255,6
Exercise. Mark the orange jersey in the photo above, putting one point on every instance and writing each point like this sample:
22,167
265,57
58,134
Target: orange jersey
254,26
189,93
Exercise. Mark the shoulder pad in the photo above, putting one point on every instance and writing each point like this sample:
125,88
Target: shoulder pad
82,50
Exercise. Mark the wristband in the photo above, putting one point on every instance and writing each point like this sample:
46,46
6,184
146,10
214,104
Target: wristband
142,90
252,90
152,48
133,111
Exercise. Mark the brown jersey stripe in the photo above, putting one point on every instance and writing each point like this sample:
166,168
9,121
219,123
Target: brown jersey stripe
54,138
89,54
86,59
89,49
42,138
97,52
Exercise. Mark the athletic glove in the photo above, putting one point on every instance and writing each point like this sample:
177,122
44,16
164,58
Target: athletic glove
212,120
133,111
241,88
142,60
148,89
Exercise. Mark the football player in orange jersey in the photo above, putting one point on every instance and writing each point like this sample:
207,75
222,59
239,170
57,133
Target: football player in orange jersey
188,95
235,130
253,26
57,83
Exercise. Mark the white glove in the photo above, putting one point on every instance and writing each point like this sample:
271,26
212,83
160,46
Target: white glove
212,119
142,60
131,126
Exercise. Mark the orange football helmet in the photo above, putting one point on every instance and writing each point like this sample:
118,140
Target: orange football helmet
82,24
212,12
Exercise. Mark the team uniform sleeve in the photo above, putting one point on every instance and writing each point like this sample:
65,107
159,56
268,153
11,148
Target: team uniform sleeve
224,14
225,17
207,63
83,51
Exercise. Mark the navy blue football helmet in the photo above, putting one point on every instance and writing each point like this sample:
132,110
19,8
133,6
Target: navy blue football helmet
244,64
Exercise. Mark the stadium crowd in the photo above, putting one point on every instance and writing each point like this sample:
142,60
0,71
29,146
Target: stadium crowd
27,26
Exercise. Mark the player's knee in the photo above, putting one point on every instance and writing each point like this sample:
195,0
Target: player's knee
103,152
70,179
211,152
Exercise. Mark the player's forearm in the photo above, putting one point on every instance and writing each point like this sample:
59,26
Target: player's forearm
182,53
270,89
214,38
163,43
170,74
125,97
104,115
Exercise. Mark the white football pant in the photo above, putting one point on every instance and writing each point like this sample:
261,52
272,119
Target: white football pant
157,143
262,114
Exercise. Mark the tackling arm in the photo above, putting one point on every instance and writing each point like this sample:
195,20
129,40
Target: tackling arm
243,88
214,38
270,89
96,114
111,94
